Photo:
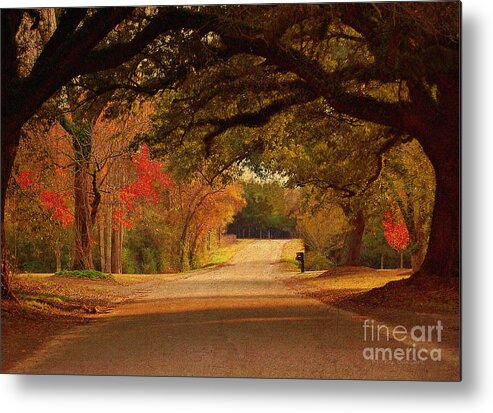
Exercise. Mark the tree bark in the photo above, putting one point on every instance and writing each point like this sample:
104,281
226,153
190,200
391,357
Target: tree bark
184,250
83,222
442,146
10,142
116,249
442,257
102,249
108,229
120,258
418,254
11,125
353,240
193,256
105,230
58,257
82,259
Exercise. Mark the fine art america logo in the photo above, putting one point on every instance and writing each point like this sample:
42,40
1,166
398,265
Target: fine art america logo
419,343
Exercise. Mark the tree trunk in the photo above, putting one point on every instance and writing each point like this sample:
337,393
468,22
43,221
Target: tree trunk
105,228
9,150
418,253
11,123
120,257
184,244
443,253
353,240
58,257
402,259
82,259
108,229
184,256
192,253
116,250
102,249
443,149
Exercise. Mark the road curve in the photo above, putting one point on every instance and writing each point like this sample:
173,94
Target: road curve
238,320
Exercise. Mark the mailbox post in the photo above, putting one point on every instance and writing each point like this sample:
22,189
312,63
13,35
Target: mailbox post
300,256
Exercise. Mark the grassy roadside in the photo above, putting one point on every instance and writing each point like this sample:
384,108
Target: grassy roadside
288,255
224,254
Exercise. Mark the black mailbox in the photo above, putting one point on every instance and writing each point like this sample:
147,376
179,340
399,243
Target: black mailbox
300,256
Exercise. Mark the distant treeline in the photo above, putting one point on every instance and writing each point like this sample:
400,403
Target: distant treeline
266,214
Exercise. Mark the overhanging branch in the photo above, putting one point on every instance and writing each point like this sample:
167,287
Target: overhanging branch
169,18
252,119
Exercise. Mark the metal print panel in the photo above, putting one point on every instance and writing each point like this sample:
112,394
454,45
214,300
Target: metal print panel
232,191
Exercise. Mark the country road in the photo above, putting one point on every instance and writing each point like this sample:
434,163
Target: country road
239,320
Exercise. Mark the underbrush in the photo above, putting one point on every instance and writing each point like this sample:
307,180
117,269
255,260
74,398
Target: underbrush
315,261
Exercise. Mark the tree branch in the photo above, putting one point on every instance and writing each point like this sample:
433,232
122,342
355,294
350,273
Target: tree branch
68,23
252,119
322,83
11,20
169,18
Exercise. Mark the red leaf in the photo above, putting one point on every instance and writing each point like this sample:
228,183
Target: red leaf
395,232
150,176
56,203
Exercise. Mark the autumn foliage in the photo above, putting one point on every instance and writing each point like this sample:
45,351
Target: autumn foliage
57,203
25,179
395,232
149,177
53,201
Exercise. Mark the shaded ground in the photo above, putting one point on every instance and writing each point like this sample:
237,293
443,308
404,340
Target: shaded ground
51,304
248,318
388,296
366,290
339,284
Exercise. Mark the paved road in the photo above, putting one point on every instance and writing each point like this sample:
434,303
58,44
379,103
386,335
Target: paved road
237,320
